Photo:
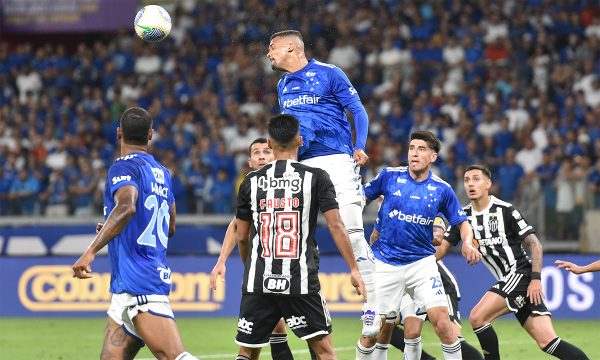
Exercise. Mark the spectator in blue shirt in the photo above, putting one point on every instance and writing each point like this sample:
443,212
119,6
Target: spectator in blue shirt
23,193
509,176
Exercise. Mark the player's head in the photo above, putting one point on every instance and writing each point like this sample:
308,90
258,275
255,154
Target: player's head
285,48
259,154
135,126
284,133
477,181
422,151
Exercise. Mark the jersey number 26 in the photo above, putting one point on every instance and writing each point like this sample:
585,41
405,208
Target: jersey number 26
159,221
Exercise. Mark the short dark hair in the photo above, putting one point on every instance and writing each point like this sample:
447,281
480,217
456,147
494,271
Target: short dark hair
432,141
484,170
260,140
283,129
135,125
287,33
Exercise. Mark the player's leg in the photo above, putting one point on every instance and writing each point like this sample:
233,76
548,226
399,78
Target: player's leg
541,330
424,283
308,317
390,287
280,350
117,343
161,335
351,215
322,346
258,316
490,307
469,352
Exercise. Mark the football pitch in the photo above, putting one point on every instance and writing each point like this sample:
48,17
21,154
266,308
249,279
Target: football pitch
212,338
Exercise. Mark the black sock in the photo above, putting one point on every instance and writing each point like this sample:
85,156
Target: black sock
313,356
488,341
468,351
563,350
279,347
397,340
426,356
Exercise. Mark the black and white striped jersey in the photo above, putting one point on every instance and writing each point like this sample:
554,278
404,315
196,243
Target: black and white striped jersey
499,229
282,200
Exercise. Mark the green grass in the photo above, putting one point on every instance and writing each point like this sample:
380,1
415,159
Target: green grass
80,338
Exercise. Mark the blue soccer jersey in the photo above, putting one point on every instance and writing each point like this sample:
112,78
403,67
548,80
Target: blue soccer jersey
408,213
137,254
317,96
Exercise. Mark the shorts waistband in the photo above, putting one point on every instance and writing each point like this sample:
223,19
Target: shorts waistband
132,300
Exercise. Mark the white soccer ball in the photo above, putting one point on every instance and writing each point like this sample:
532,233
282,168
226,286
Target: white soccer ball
152,23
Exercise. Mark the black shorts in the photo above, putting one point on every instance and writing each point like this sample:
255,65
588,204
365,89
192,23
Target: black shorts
513,289
452,293
306,315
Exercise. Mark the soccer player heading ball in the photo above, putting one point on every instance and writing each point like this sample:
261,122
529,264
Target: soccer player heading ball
318,94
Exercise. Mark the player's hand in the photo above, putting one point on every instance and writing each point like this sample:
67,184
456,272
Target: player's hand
360,157
357,281
218,271
99,227
534,292
470,253
569,266
83,266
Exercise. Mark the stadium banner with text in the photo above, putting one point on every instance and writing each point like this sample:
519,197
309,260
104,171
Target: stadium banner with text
32,16
44,287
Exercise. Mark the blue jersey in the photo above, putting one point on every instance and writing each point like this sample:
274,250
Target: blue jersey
408,213
137,254
317,95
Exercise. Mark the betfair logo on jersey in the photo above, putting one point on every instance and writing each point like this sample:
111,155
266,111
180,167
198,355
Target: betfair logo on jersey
301,100
414,218
296,322
118,179
292,182
53,288
245,326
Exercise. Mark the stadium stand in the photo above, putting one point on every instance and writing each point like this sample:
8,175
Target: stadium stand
513,84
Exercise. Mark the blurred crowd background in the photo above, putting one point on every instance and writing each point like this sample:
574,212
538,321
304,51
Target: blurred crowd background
511,84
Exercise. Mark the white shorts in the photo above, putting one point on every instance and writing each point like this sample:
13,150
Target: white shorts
124,307
344,174
409,309
419,280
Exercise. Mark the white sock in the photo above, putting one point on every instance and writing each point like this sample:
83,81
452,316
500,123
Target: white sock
185,356
364,353
380,352
413,349
452,351
366,264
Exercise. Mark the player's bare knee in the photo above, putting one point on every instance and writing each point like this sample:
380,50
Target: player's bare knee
475,319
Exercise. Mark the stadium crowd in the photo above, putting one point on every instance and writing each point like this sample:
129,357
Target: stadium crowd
513,84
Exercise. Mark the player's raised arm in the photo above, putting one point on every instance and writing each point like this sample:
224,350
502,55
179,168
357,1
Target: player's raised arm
125,200
229,242
340,237
576,269
469,251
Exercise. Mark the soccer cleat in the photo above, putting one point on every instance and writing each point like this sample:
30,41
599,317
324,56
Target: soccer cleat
371,323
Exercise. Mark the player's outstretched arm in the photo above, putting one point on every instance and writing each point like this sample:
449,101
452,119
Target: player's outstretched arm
534,290
576,269
229,242
340,237
119,217
468,250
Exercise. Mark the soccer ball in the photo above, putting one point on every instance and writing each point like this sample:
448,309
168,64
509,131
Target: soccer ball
152,23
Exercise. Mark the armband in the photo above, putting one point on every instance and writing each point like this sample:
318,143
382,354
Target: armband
535,275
